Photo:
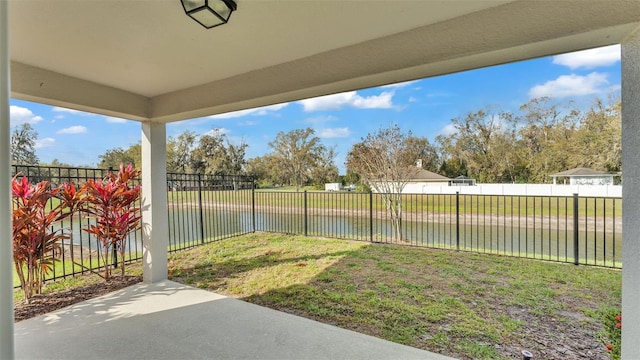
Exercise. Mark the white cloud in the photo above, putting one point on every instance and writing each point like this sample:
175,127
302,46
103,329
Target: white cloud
330,133
45,142
216,131
589,59
261,111
348,99
115,120
573,85
77,129
448,130
19,115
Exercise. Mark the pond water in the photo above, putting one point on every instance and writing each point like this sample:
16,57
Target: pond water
597,246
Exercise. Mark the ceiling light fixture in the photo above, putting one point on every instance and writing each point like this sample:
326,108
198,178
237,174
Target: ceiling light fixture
209,13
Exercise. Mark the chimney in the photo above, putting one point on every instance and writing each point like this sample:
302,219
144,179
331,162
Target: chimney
419,164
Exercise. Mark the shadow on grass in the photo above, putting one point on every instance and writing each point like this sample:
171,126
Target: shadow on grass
453,303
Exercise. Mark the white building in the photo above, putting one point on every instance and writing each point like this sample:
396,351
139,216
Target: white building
423,180
584,176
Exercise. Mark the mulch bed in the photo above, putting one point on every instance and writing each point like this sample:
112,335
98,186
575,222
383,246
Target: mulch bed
48,302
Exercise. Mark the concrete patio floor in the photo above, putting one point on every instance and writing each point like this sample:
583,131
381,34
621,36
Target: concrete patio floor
168,320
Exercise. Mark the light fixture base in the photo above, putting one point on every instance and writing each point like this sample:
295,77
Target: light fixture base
209,13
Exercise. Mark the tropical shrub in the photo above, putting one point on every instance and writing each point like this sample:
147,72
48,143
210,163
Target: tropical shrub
35,243
72,200
112,203
612,320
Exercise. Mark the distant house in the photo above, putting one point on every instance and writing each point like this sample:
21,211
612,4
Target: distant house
584,176
420,179
429,178
424,178
463,181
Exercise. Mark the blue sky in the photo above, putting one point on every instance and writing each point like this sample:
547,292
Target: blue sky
424,106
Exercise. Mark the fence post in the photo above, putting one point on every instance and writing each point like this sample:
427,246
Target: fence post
306,232
576,242
200,210
457,220
253,208
114,252
371,216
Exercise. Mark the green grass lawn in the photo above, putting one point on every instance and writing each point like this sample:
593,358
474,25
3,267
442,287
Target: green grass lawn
455,303
77,280
62,268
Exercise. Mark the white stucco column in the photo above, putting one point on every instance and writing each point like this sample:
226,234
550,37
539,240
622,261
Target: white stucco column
6,253
631,197
155,228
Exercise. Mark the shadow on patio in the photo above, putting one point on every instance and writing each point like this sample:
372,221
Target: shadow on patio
168,320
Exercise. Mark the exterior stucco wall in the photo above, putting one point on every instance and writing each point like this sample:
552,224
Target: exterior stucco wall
631,196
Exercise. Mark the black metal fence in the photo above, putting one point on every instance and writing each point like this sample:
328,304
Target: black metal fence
579,230
205,208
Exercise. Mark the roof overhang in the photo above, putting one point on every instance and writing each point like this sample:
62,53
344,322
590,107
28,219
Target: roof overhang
145,60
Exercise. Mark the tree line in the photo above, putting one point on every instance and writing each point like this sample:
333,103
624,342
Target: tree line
490,145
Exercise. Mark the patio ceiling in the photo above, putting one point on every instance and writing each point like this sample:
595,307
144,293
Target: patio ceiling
147,60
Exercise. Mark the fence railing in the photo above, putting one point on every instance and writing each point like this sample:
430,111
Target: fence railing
205,208
579,230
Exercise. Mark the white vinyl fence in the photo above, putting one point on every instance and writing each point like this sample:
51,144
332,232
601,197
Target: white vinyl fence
614,191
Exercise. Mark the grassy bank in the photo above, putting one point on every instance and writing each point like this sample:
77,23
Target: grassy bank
469,204
455,303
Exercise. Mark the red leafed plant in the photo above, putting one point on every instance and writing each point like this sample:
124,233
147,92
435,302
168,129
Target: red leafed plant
35,243
72,200
612,334
112,202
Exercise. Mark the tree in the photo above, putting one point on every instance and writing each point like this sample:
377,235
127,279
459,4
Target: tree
57,163
325,169
597,143
297,153
208,157
23,144
546,130
257,168
216,155
179,152
265,170
420,149
351,178
112,158
234,160
386,161
483,146
452,168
